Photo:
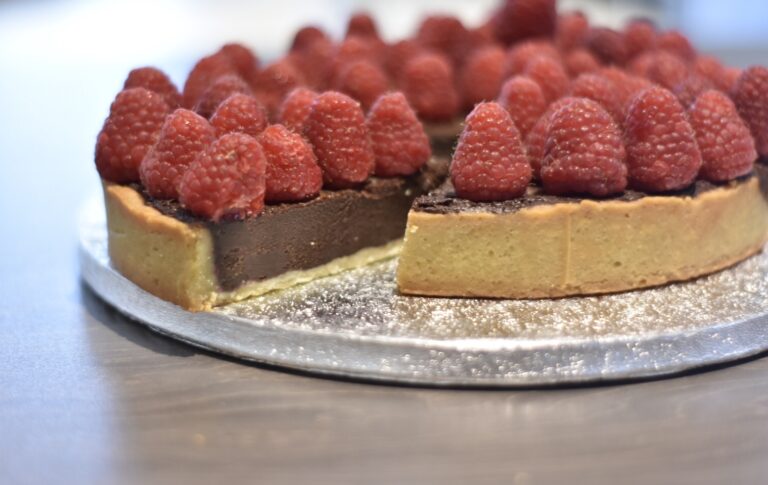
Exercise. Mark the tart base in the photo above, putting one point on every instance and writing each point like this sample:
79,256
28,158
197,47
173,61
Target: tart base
585,247
174,260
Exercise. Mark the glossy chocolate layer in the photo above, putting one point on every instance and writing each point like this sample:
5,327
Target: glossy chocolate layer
443,200
305,235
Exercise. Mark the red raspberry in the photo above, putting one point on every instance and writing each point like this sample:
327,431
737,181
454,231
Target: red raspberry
133,125
550,75
399,143
627,86
316,62
601,90
608,45
362,80
240,113
584,153
243,59
521,54
336,128
489,162
183,137
207,70
727,147
520,19
572,30
307,36
641,65
358,48
362,24
639,36
275,82
690,89
750,94
667,70
712,70
480,37
536,140
156,81
661,146
292,171
226,181
522,97
444,34
676,43
398,55
427,82
221,89
295,109
482,75
579,61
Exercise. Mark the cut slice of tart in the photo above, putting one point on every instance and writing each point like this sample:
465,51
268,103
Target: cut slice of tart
199,264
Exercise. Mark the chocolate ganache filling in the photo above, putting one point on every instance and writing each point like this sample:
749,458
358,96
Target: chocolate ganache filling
303,235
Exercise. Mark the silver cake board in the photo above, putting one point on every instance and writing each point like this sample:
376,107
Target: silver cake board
356,325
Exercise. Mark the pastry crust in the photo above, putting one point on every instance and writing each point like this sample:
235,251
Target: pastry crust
581,248
174,260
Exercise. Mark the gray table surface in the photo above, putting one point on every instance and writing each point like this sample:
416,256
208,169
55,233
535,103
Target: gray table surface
87,396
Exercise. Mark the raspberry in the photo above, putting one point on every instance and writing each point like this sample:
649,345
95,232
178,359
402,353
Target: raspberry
240,113
712,70
572,30
427,82
444,34
357,48
750,94
221,89
727,147
362,80
522,97
667,69
399,143
315,62
520,19
661,146
275,82
579,61
601,90
608,45
489,162
550,75
336,128
295,109
307,36
480,37
398,55
183,137
521,54
207,70
536,140
690,89
133,125
156,81
639,36
627,86
732,75
676,43
482,75
243,59
292,171
583,153
362,24
226,181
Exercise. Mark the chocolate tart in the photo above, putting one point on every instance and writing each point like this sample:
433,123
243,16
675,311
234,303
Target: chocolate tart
543,246
199,264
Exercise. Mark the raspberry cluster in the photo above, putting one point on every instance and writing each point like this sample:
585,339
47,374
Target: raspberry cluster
592,110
